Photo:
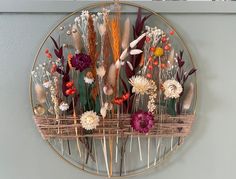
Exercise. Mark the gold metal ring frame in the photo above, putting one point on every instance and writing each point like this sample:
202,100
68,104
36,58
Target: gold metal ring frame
180,40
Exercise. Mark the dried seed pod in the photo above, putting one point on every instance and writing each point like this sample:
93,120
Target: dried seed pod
39,110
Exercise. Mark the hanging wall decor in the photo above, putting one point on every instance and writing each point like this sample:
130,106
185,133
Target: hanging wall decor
113,89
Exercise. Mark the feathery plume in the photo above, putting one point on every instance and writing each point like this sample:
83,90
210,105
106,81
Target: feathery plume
76,38
188,98
115,37
126,34
171,59
111,77
92,44
40,93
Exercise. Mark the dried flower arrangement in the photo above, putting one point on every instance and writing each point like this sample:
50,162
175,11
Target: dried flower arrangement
109,88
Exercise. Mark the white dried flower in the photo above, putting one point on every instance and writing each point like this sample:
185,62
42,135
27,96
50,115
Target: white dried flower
172,88
63,106
101,71
89,120
88,80
141,85
47,84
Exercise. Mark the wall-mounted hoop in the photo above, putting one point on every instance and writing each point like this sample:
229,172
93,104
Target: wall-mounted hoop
116,148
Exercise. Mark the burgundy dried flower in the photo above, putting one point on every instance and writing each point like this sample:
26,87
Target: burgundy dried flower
81,61
142,121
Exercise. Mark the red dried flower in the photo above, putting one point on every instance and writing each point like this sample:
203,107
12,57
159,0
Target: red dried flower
125,96
172,32
118,100
49,55
46,51
70,84
71,91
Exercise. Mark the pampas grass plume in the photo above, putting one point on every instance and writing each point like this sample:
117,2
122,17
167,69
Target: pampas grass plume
111,77
188,98
76,38
40,93
126,34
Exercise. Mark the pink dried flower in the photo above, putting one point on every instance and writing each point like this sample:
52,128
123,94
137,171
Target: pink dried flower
142,121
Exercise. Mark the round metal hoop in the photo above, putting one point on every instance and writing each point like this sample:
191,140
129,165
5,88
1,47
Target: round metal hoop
168,154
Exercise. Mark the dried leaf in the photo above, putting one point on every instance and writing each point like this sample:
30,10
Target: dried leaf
177,77
60,71
82,90
181,63
139,24
128,71
59,53
193,70
55,43
94,92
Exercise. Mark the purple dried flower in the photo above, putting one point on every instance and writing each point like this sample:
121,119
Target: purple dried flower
81,61
142,121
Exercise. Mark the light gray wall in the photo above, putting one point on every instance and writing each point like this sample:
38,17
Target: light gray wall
208,153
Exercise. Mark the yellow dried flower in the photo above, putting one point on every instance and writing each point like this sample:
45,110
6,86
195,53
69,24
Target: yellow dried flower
158,52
